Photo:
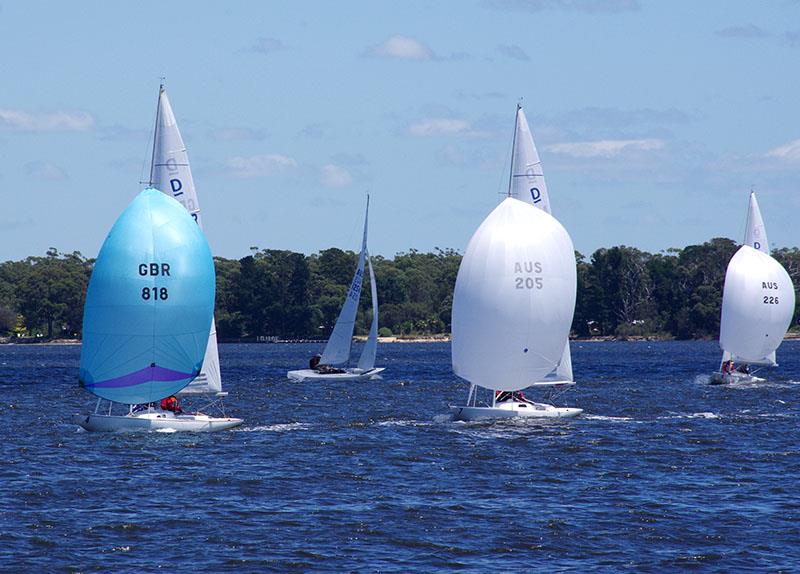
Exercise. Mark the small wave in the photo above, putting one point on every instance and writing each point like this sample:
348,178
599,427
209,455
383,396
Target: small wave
439,419
166,431
281,427
702,415
607,418
403,423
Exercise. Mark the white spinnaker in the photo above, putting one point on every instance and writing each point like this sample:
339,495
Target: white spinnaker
527,177
337,350
171,175
514,298
367,359
757,306
756,234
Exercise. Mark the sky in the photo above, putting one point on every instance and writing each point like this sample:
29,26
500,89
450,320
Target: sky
653,119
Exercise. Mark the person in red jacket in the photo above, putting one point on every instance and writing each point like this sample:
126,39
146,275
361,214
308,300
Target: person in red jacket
171,404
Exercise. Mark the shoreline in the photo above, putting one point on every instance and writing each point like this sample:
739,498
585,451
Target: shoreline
790,336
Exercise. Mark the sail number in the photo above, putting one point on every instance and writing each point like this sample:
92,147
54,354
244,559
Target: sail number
769,299
154,270
155,292
527,275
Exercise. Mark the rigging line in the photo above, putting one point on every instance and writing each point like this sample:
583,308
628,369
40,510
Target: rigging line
151,141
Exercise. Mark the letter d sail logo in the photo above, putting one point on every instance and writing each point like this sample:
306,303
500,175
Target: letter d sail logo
176,186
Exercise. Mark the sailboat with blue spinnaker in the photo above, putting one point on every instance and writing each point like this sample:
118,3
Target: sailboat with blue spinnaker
146,320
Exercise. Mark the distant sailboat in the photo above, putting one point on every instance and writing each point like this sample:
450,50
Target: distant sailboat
170,173
332,364
147,317
757,305
515,298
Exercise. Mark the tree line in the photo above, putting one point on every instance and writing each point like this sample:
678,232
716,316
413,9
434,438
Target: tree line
622,292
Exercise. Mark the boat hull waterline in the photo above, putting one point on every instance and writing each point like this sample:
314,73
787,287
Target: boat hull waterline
154,421
512,410
349,375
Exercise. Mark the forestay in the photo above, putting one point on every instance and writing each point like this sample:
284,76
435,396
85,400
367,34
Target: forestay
337,350
171,174
514,299
149,304
757,306
527,178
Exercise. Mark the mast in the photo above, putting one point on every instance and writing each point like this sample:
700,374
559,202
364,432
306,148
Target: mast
155,134
513,149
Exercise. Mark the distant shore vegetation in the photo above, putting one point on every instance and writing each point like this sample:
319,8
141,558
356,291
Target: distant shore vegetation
623,292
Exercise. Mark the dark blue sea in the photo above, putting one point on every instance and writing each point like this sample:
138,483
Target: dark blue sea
663,473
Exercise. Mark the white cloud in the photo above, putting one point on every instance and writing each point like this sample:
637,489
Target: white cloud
260,165
438,126
45,122
789,152
605,148
402,48
335,176
45,170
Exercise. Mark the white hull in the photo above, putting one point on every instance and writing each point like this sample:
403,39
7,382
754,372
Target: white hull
349,375
511,409
734,378
154,421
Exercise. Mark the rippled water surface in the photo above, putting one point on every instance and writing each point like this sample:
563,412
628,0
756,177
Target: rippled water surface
664,472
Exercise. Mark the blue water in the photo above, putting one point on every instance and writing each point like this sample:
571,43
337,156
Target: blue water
663,473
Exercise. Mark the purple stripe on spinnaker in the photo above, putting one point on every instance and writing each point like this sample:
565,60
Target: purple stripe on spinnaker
146,375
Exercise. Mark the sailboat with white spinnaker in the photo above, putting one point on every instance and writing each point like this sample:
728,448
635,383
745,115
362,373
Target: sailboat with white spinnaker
515,298
757,306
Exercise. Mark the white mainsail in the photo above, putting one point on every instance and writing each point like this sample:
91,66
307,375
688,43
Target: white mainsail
337,350
757,307
514,299
527,179
170,174
755,234
527,184
367,359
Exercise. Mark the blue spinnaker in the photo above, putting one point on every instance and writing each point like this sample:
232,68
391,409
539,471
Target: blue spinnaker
149,304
